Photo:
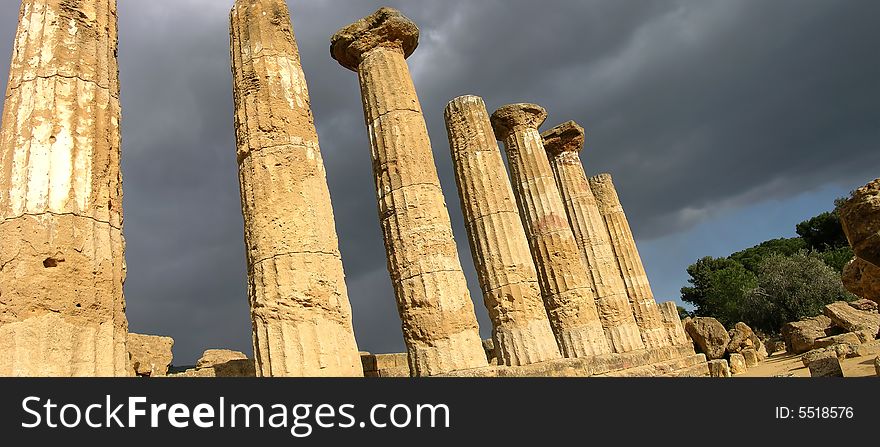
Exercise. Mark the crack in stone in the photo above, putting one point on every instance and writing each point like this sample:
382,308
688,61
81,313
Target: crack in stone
49,213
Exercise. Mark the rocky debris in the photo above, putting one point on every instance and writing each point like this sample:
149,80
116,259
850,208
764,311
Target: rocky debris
221,363
741,337
150,355
737,364
864,305
825,365
709,336
762,351
842,351
849,338
751,357
386,365
800,336
214,357
684,324
719,368
774,346
860,218
850,319
862,279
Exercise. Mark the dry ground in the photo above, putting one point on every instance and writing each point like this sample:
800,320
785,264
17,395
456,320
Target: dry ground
789,365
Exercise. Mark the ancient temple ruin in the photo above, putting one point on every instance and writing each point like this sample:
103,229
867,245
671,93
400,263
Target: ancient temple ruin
296,286
558,267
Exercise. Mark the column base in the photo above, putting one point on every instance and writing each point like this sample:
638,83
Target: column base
625,338
524,345
583,341
458,352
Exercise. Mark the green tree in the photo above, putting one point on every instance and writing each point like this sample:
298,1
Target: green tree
719,289
823,232
752,258
790,288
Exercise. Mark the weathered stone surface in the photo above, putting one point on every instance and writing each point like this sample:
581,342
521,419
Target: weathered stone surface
563,143
709,336
825,365
763,354
800,336
150,355
565,281
864,305
741,337
214,357
439,324
751,357
719,368
862,279
62,311
738,364
500,250
848,338
674,325
842,351
860,217
299,303
877,365
775,346
850,319
491,353
386,365
632,270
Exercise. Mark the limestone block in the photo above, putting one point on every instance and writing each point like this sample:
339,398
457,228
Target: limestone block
864,305
709,336
563,143
738,364
826,365
741,337
673,323
850,319
800,336
62,266
632,270
719,368
150,355
860,217
848,338
877,365
214,357
299,302
507,274
438,320
862,279
563,275
751,357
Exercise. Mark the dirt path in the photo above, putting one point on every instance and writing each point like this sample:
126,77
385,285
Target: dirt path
790,365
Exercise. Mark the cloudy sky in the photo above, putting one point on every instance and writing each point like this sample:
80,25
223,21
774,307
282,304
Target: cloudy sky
725,122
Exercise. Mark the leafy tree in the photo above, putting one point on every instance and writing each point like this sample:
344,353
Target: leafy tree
682,312
837,258
751,258
790,288
823,232
719,288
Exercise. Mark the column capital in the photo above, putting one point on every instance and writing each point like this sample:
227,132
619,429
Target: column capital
566,137
387,27
511,116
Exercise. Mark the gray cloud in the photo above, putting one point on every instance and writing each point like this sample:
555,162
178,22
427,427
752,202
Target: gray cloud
696,106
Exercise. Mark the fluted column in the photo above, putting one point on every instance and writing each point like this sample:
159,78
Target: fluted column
62,267
507,274
565,282
629,263
672,321
563,143
296,286
439,325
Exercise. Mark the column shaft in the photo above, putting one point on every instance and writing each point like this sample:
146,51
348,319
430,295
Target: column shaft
672,321
565,282
595,246
500,250
630,263
302,324
439,324
62,267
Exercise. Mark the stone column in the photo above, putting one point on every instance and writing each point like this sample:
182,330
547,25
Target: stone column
62,310
638,289
563,143
565,281
299,303
439,324
672,321
508,278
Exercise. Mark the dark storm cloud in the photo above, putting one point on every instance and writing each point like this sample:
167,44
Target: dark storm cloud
696,106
